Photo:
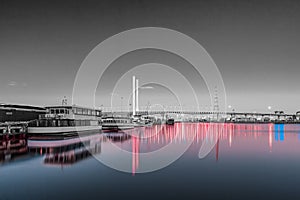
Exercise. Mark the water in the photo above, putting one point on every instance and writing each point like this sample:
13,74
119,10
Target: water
248,162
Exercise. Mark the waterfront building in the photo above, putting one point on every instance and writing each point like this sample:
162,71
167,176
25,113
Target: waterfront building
19,113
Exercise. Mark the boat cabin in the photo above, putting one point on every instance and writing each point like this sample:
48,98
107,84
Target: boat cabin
66,116
72,112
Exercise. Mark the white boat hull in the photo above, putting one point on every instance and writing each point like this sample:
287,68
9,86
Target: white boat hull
57,130
116,126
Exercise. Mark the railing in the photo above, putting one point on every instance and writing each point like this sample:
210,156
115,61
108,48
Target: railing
12,128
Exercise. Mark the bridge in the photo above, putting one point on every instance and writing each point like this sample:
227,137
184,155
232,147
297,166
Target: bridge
195,115
214,116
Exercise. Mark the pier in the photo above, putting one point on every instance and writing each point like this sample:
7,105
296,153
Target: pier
13,128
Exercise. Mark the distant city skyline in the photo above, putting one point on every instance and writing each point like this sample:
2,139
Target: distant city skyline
255,45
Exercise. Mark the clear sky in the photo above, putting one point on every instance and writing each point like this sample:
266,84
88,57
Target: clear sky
255,45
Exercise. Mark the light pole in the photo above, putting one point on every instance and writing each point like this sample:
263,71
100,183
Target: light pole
112,94
121,104
148,107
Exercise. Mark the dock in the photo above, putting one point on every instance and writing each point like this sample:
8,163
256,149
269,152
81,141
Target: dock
13,128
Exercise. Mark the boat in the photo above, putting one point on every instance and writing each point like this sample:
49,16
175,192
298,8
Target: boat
148,121
137,121
64,120
142,121
170,121
114,123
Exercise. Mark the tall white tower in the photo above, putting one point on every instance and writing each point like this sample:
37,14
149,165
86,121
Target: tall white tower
137,94
133,95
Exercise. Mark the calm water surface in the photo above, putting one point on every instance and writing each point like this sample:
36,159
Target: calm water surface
248,162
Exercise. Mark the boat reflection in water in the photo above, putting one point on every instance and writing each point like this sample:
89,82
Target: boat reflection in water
116,136
71,150
12,147
66,151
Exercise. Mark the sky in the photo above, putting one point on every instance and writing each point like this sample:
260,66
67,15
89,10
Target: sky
255,45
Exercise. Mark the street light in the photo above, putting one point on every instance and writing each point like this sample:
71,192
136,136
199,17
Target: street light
269,107
121,104
115,94
231,108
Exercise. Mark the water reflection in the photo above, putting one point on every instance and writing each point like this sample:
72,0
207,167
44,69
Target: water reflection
69,151
249,161
255,137
12,147
279,132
